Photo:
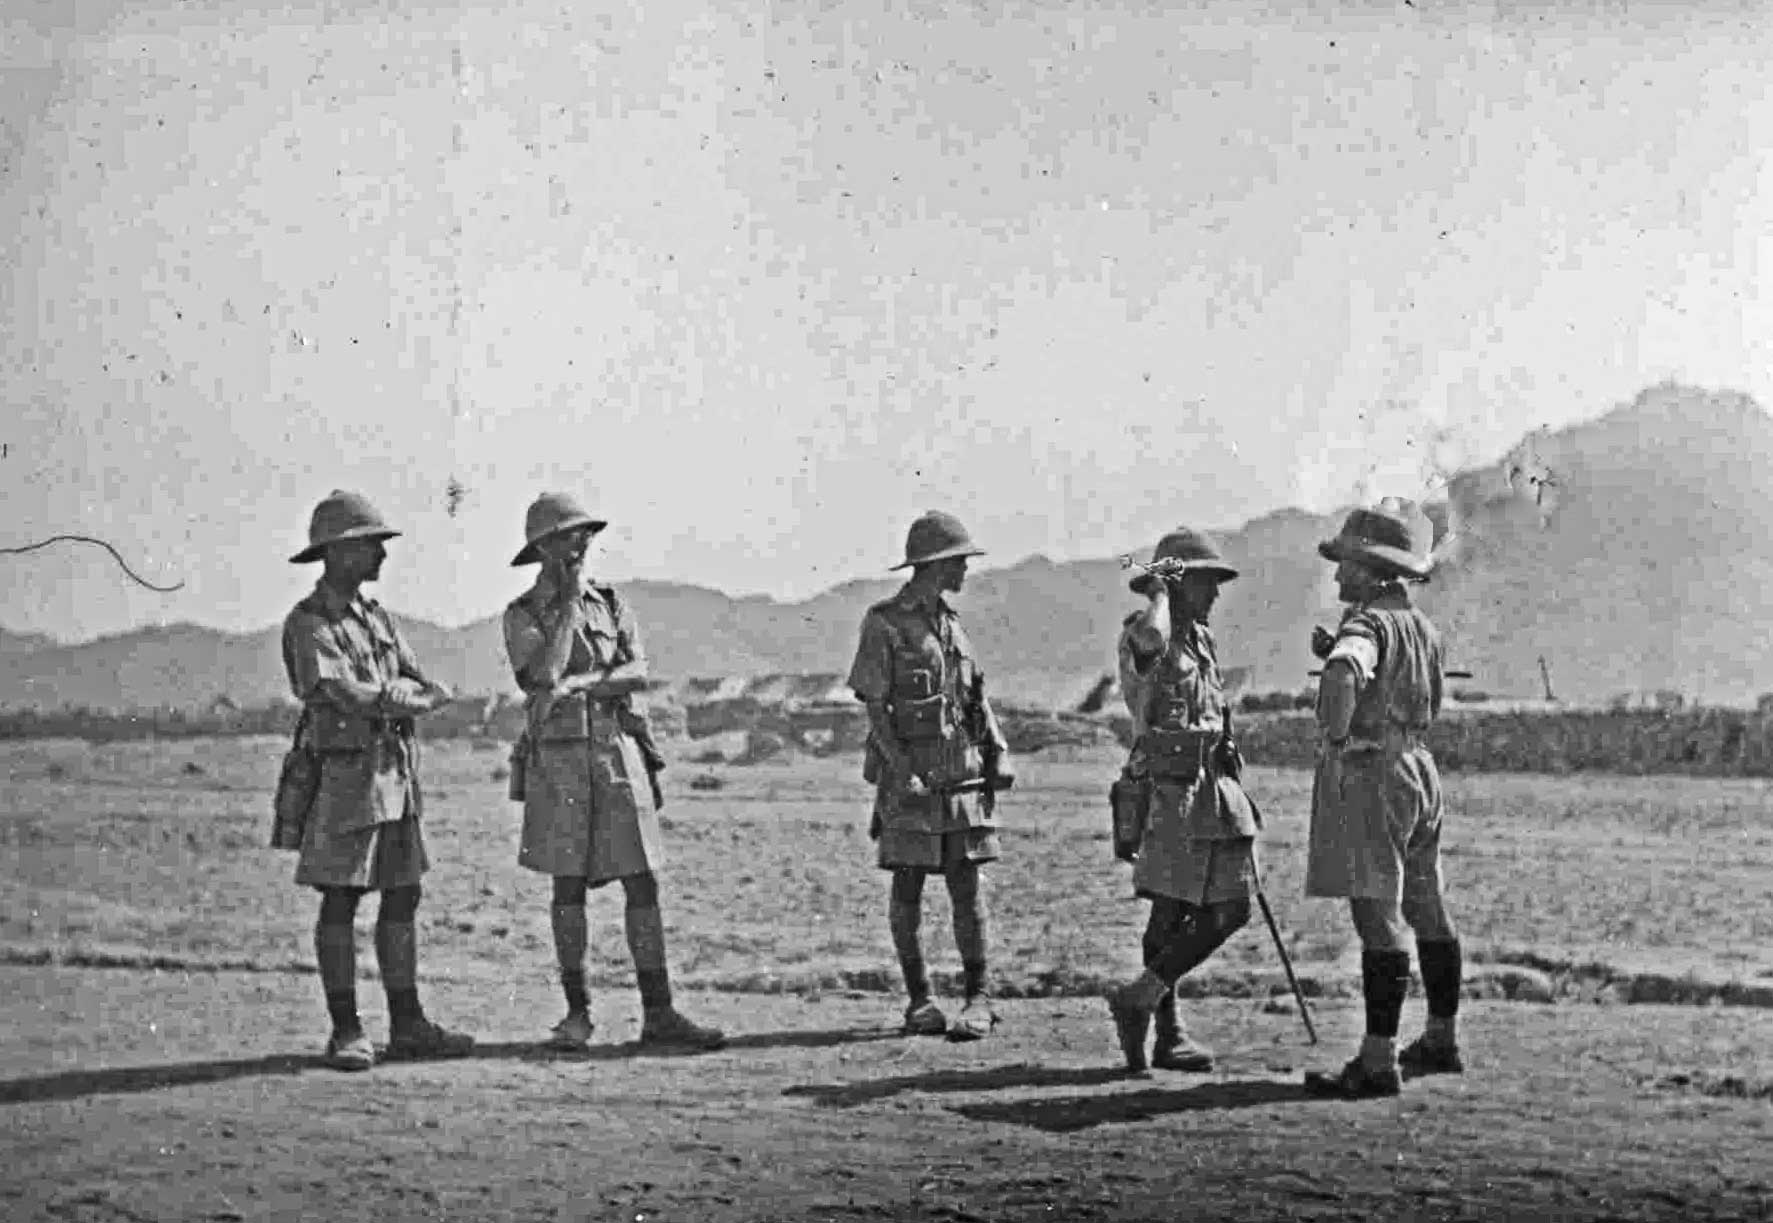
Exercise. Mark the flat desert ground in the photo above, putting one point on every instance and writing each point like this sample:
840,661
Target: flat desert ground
162,1023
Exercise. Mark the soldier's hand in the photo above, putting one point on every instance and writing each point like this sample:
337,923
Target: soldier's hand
914,785
1228,759
408,694
1322,641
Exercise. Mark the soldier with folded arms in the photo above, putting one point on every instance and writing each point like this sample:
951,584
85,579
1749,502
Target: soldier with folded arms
360,688
937,757
588,800
1376,796
1181,816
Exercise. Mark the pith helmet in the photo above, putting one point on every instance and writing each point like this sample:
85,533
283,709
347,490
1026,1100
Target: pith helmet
1187,549
1394,537
550,514
936,536
342,515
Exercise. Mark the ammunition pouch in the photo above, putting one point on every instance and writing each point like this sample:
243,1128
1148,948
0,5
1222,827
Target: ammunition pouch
1129,806
919,707
920,719
298,783
1176,755
517,789
333,731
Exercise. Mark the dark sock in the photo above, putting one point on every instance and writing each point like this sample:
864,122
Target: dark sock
655,989
903,919
404,1010
342,1007
1442,969
572,983
974,976
1385,980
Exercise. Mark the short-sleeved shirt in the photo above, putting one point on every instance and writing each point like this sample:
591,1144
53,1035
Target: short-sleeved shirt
607,634
329,637
910,639
1396,655
1196,690
374,780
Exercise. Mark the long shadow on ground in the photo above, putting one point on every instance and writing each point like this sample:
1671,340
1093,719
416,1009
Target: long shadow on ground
123,1080
1067,1114
991,1078
1060,1114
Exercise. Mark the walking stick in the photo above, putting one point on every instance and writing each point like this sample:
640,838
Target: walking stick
1286,963
1268,916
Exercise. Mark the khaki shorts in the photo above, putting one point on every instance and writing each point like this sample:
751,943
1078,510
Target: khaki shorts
1211,872
937,851
1375,827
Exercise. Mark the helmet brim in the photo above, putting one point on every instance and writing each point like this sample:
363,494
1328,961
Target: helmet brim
944,554
314,552
529,556
1380,556
1143,582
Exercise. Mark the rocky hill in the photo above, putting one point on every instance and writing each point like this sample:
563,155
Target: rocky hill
1631,552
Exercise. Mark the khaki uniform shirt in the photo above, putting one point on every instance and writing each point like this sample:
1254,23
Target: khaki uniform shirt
587,809
337,654
914,655
1376,797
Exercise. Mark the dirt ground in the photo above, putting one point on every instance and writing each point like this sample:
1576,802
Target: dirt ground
167,1096
160,1020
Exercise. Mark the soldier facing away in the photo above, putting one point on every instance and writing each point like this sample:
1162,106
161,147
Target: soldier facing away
360,689
1376,796
1191,830
588,815
937,757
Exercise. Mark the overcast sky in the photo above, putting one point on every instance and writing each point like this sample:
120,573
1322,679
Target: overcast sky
761,291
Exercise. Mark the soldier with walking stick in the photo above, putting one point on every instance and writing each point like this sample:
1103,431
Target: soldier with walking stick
1180,815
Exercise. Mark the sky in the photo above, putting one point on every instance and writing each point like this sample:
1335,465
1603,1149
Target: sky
761,289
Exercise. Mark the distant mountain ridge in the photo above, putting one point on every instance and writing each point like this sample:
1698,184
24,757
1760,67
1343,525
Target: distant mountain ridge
1633,552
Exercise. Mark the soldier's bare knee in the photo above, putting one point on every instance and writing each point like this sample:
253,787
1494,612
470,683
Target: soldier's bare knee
1380,924
1428,918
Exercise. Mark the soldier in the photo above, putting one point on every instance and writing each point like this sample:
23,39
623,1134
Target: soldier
588,817
360,689
1191,836
1376,796
937,756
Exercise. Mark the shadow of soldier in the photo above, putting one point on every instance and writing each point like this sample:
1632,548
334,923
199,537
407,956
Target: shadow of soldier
121,1080
992,1078
820,1039
125,1080
1068,1114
